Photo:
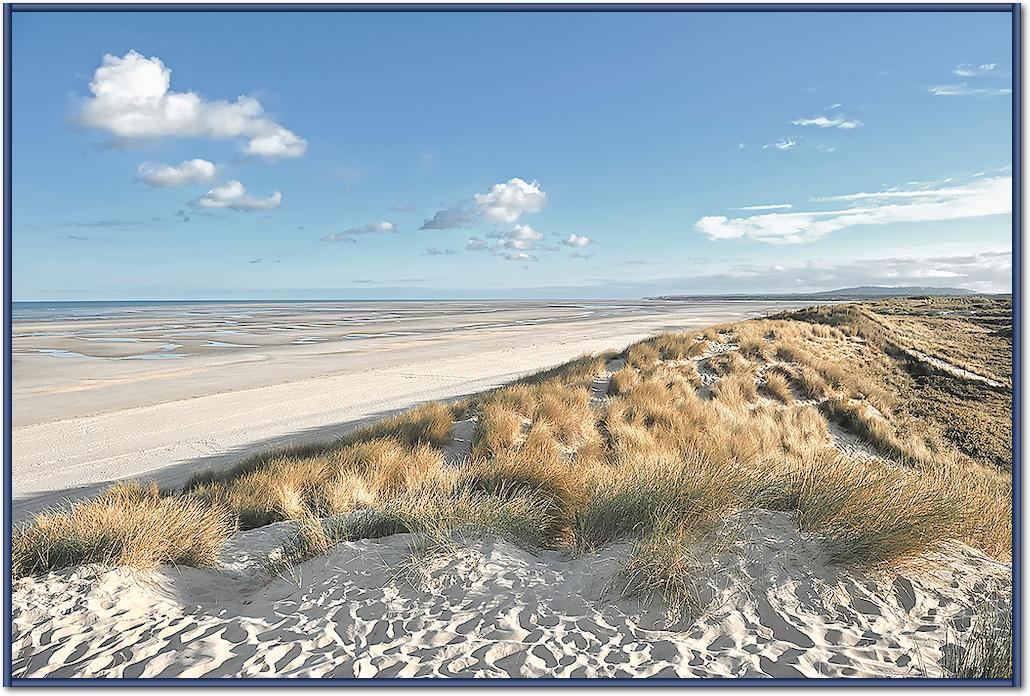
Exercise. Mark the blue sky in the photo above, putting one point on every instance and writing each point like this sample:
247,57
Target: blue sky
209,155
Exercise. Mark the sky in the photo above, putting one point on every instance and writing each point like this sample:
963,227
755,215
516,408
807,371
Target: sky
431,155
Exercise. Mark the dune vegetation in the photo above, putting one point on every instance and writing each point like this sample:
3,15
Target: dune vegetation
883,429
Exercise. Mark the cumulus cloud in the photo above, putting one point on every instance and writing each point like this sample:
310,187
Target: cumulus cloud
837,121
132,98
964,90
786,144
449,219
475,244
519,237
576,240
972,70
233,196
506,202
980,198
348,235
171,176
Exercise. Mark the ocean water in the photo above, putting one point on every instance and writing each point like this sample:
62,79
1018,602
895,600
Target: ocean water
128,308
246,309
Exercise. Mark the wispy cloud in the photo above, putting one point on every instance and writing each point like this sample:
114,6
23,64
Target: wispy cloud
973,70
836,121
450,219
774,206
81,238
785,144
402,207
518,256
979,198
348,235
112,223
433,251
964,90
986,271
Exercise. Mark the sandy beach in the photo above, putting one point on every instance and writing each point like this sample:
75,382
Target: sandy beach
771,607
160,392
768,596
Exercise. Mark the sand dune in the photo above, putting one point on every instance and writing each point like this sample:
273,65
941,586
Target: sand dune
490,608
81,423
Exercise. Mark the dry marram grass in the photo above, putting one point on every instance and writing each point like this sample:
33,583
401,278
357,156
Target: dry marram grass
695,427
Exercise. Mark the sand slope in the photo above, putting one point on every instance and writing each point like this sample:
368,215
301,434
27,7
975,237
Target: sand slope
773,608
82,423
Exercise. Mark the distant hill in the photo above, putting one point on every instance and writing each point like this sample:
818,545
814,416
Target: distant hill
883,291
863,292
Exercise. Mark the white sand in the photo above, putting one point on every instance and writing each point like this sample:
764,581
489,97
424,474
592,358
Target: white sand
772,608
82,422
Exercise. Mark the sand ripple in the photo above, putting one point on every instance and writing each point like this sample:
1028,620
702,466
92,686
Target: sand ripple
492,609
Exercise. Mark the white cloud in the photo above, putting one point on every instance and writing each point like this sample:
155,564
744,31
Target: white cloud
504,204
576,240
171,176
983,197
775,206
507,202
277,143
517,256
831,107
132,99
964,90
837,121
384,227
786,144
971,70
936,273
984,271
475,244
521,237
233,196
